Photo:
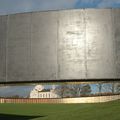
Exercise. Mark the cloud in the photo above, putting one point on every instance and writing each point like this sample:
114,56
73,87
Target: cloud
57,3
109,3
47,4
16,6
88,1
99,3
102,3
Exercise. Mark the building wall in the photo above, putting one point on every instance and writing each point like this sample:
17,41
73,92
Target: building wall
43,95
56,45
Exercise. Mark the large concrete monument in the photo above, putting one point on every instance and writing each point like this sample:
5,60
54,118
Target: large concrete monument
58,45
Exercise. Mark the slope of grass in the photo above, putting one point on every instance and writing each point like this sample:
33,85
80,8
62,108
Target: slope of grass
99,111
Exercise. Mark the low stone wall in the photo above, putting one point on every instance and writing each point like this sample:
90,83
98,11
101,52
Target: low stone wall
97,99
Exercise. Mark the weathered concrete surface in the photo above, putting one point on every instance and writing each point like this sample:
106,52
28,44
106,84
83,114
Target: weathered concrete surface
56,45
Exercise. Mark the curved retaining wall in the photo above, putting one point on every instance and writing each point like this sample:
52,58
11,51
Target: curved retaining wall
97,99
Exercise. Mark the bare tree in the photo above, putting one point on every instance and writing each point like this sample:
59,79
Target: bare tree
86,90
118,88
113,88
109,87
77,89
100,85
60,90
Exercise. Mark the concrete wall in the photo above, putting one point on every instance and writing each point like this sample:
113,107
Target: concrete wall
56,45
98,99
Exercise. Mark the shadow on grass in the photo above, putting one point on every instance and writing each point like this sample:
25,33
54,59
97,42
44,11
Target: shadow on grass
17,117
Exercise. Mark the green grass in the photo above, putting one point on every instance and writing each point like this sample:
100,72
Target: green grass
99,111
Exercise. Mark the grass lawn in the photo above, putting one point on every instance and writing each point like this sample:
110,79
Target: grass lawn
99,111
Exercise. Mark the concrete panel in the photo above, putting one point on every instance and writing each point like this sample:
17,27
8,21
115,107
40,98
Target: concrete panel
18,47
3,37
99,44
71,45
116,19
67,44
44,46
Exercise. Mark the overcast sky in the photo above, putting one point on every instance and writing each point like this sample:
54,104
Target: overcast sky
18,6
